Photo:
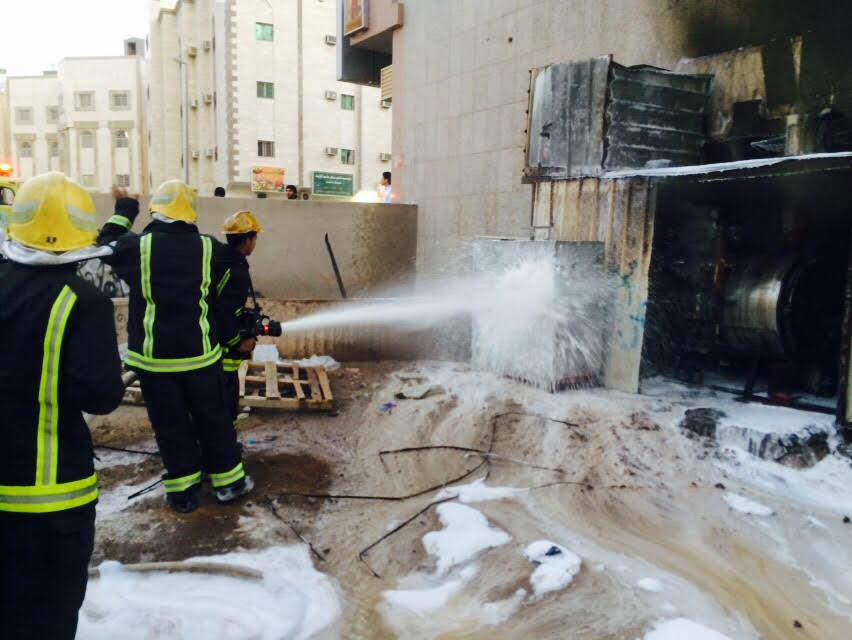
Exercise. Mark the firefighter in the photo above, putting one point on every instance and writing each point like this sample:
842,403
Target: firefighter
234,286
173,343
59,359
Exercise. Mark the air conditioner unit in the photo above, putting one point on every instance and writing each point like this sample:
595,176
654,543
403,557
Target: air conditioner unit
208,98
304,193
331,151
209,153
385,104
195,155
331,95
193,103
192,51
206,45
385,157
330,39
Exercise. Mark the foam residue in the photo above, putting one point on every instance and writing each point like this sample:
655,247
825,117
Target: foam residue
744,505
477,491
681,629
650,584
556,566
466,532
292,601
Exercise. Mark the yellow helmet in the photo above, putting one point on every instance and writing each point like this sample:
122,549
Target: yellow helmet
53,213
176,200
241,222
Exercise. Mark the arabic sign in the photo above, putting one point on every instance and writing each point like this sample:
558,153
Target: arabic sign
333,184
267,179
354,16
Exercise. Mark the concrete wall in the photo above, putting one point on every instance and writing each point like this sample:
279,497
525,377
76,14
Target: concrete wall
461,73
374,244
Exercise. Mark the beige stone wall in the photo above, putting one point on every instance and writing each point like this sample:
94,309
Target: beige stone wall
461,72
373,243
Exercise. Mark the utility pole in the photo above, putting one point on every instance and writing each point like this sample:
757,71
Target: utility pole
184,108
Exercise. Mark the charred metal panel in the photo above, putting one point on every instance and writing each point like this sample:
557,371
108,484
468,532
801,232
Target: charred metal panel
594,115
566,119
654,114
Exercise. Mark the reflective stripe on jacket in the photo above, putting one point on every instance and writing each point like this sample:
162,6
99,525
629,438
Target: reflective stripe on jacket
60,358
171,324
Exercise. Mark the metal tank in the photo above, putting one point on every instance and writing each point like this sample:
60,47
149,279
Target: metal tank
783,307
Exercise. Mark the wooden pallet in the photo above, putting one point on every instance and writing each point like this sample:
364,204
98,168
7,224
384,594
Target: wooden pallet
284,386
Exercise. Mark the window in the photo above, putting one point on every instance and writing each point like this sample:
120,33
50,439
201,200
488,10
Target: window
347,156
52,114
265,89
84,101
122,180
87,180
23,115
87,140
53,149
119,100
265,148
26,150
262,31
121,139
347,102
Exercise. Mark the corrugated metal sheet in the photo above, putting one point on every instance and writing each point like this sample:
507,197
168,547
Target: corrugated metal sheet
619,213
594,115
387,82
653,114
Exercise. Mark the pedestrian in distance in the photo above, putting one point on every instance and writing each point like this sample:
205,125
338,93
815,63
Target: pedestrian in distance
385,188
234,288
60,358
219,192
173,343
292,192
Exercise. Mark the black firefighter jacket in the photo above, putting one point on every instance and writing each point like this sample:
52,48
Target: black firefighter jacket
233,285
58,358
169,267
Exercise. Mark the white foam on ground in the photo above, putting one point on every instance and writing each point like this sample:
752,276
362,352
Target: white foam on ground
683,629
429,598
292,601
650,584
477,491
466,532
555,571
745,505
824,485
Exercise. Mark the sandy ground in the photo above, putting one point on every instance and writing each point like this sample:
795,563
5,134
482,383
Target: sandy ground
605,474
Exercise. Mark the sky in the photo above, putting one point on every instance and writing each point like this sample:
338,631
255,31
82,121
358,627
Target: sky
37,34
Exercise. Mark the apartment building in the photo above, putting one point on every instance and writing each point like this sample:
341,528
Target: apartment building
85,119
261,91
4,118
